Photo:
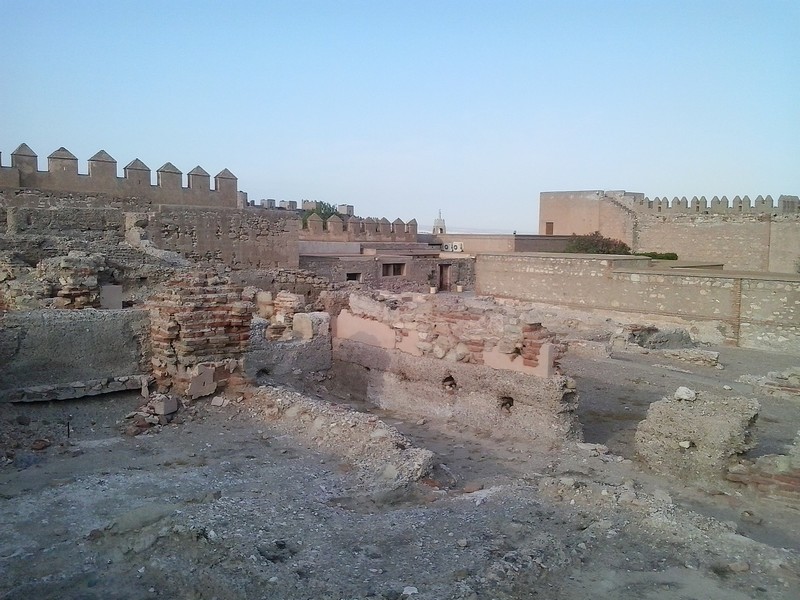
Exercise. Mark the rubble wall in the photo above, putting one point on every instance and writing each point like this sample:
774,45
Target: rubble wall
247,237
698,437
86,221
481,396
449,357
753,311
56,354
297,281
238,237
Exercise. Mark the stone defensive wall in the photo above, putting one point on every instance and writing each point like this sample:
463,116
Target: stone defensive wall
745,309
62,176
449,357
718,206
251,237
246,237
743,235
354,229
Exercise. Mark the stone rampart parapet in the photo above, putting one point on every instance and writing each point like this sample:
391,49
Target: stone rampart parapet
62,175
343,228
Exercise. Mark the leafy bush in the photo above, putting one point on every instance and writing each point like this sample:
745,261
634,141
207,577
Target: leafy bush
596,243
659,255
323,209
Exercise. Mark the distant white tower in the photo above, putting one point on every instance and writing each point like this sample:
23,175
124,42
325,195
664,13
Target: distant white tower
438,225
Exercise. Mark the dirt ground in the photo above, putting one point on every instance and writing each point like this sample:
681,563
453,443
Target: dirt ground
224,503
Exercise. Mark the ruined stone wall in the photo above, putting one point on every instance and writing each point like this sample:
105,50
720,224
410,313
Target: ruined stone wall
758,311
200,327
448,357
450,328
90,224
237,237
49,355
305,283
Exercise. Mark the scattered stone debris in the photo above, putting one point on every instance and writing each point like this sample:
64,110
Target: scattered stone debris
785,384
159,410
385,458
695,440
40,444
649,337
697,356
684,393
671,368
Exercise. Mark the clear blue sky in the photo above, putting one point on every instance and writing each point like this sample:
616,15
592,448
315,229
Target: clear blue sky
406,107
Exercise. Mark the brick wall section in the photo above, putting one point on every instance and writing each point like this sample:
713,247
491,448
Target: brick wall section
775,476
200,319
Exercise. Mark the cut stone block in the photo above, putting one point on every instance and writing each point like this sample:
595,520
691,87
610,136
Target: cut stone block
202,382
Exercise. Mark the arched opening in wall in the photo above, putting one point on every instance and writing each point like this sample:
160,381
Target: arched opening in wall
449,383
505,403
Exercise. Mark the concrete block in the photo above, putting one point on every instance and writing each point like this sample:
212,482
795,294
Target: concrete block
202,382
165,405
111,297
696,440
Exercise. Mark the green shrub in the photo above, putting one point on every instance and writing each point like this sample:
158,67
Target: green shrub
659,255
596,243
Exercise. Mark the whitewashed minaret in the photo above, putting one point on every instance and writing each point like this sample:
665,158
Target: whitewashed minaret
438,225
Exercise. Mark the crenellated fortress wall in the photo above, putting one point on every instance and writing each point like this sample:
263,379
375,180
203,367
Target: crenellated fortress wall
62,176
354,229
760,235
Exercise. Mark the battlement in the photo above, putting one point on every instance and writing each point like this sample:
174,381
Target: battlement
786,205
62,176
353,229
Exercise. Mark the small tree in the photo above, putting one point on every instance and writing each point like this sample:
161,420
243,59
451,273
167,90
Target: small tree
323,209
596,243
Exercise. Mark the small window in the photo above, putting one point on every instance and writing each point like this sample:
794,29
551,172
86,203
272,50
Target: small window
393,269
548,228
353,276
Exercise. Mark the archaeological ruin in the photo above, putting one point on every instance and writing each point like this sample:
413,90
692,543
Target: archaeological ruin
291,394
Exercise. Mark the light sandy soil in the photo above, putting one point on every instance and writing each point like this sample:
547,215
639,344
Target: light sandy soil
225,504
